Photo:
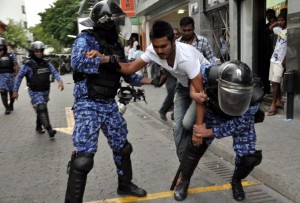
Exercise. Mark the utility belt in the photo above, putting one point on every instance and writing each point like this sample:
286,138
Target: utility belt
98,87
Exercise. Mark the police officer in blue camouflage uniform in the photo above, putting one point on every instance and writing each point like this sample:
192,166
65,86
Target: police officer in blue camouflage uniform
37,72
8,69
230,111
94,60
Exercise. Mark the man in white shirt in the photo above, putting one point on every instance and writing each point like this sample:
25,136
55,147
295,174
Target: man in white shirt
183,62
277,60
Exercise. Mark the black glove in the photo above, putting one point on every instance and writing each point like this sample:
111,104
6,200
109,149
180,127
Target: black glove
155,81
113,60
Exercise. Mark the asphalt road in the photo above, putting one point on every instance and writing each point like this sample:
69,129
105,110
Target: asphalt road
33,168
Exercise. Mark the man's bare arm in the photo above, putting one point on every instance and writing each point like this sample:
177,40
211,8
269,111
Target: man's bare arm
198,87
132,67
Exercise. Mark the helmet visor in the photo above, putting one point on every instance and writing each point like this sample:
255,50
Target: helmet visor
234,100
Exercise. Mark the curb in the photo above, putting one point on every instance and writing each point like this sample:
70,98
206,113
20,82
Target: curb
272,181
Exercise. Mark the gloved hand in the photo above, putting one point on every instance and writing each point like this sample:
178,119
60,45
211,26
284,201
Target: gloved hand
114,59
156,81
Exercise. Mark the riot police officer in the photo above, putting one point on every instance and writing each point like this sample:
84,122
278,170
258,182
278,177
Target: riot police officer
37,72
94,60
230,111
8,69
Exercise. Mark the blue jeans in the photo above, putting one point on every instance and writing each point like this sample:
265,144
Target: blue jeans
169,99
182,103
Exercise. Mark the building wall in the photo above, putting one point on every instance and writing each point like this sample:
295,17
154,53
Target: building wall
12,9
293,51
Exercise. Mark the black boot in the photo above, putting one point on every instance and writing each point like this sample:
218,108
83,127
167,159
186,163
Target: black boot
80,166
5,101
237,189
39,129
242,170
125,186
11,102
182,189
189,162
43,116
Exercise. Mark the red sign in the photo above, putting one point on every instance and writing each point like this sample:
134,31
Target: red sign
128,7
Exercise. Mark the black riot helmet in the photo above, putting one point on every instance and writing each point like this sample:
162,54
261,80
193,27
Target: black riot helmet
36,46
105,15
235,87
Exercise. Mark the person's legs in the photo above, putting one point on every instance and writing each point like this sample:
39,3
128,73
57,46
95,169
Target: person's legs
4,97
80,165
115,129
39,127
189,162
247,157
85,138
169,99
182,102
11,101
43,116
276,71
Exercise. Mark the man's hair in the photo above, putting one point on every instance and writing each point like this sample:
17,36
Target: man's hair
161,29
187,20
270,12
282,15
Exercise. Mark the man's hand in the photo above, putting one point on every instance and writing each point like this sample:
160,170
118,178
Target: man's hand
200,97
15,95
158,81
61,85
200,131
92,54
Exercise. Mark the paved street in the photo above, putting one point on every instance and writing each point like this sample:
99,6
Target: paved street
33,168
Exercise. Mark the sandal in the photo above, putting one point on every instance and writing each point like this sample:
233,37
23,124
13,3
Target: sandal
271,112
279,105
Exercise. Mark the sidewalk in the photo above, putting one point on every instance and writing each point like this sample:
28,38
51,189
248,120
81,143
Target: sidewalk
278,139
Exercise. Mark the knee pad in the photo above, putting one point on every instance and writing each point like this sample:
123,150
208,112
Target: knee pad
252,160
83,162
127,150
41,108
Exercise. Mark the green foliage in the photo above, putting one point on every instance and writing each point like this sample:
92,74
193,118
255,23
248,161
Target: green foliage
14,35
61,20
40,35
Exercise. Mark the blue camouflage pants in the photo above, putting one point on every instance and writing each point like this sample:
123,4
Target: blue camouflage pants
90,117
240,128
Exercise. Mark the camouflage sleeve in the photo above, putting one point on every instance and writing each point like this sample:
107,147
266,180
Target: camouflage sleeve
23,71
79,62
237,125
54,72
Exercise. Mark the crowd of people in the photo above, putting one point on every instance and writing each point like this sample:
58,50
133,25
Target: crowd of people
208,99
